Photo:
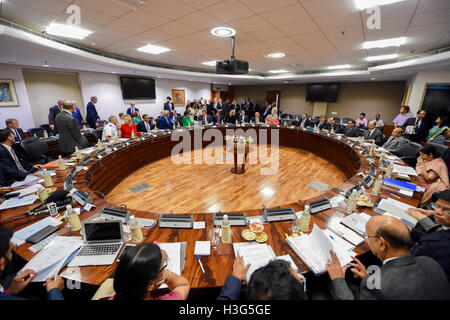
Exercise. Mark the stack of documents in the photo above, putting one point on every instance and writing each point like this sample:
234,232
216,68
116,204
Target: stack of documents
404,170
18,202
397,209
202,248
176,252
50,260
28,181
26,191
258,255
335,225
20,236
314,250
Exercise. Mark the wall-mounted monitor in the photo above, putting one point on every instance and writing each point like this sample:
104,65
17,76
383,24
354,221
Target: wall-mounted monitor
322,92
137,88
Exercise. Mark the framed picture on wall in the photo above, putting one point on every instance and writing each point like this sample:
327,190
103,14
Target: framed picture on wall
8,96
178,97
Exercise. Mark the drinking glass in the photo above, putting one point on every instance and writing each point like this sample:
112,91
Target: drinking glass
214,236
295,225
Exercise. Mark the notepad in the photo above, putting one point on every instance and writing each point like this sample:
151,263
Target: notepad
202,248
255,254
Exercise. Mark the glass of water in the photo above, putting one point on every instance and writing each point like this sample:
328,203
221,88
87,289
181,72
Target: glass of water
295,225
214,236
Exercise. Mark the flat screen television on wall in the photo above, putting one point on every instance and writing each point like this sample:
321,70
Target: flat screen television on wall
322,92
137,88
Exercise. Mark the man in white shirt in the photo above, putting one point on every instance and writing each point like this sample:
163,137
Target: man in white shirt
379,122
110,131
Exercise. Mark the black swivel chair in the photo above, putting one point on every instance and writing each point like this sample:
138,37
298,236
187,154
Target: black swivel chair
35,149
46,128
36,131
345,120
441,149
410,153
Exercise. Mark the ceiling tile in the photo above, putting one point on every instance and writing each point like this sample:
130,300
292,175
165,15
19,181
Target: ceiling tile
428,18
434,5
110,8
153,36
126,27
309,37
249,24
229,10
200,4
145,18
323,8
286,15
261,6
173,9
342,21
267,34
297,28
200,21
176,28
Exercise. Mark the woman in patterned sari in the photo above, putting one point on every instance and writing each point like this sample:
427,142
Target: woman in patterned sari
438,133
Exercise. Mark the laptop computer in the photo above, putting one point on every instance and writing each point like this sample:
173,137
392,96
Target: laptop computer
102,243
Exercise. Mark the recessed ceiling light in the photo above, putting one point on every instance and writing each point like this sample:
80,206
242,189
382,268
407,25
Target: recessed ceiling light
365,4
372,78
340,66
394,42
276,55
382,57
223,32
278,71
229,84
153,49
209,63
113,72
67,31
46,65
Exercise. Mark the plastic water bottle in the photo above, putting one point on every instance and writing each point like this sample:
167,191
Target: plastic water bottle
99,145
48,181
226,230
73,219
61,163
135,229
362,141
389,170
351,204
116,139
78,155
45,134
305,219
132,134
377,185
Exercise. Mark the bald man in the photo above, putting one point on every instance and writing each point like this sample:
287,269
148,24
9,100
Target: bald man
373,134
396,142
401,276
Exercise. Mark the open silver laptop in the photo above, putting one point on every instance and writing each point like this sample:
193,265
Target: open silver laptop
102,243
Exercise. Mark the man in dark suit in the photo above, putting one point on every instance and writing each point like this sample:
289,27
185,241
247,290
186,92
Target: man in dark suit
232,287
321,123
132,109
69,130
373,134
13,125
204,118
242,117
304,121
175,119
145,125
351,130
331,124
226,107
52,112
432,231
257,118
401,277
92,116
9,158
396,142
416,129
213,107
169,105
9,175
164,121
217,119
268,110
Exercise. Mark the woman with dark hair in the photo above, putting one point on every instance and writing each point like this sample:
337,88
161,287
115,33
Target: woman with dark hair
362,120
143,269
187,119
402,117
439,132
432,172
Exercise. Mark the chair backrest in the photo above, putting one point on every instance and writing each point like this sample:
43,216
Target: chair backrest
411,149
98,133
46,128
337,120
441,149
345,120
36,149
38,131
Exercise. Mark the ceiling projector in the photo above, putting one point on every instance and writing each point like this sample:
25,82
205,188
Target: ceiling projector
232,66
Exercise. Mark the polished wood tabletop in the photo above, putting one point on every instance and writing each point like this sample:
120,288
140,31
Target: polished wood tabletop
105,173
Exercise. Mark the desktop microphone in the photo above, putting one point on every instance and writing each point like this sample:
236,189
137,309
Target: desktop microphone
58,195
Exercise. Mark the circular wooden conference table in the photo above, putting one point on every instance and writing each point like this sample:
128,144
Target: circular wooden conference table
104,174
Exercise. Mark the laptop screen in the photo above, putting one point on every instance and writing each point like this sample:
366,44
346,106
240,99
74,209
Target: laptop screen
103,231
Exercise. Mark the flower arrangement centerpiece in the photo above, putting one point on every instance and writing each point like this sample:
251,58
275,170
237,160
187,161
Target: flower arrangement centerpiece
238,139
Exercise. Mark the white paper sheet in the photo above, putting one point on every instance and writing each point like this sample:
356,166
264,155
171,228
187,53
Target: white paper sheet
24,233
26,191
18,202
28,181
258,255
202,248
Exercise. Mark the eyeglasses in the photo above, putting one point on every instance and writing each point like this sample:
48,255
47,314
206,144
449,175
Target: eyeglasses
366,236
435,206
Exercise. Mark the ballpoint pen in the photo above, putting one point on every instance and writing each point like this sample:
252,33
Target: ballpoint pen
201,266
394,195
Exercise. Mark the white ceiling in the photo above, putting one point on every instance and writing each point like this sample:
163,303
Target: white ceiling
313,33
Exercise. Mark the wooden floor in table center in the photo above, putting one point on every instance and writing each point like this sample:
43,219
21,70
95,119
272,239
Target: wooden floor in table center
200,188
